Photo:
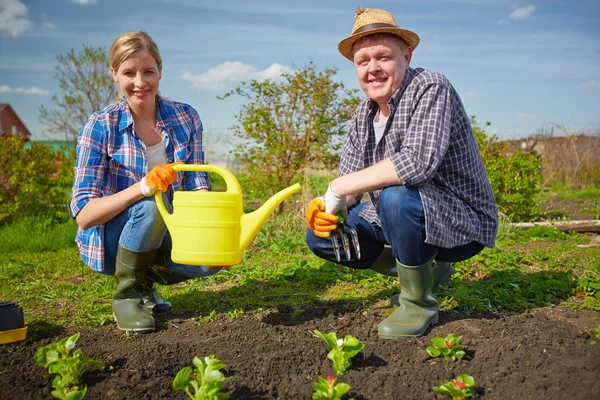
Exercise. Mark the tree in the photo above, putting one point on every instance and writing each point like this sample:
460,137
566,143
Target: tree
290,125
87,86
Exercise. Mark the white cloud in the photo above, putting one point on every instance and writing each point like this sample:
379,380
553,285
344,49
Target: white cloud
30,90
590,84
84,2
232,71
13,17
522,12
468,94
524,115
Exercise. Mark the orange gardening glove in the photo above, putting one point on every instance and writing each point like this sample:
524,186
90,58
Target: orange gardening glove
320,222
211,267
158,179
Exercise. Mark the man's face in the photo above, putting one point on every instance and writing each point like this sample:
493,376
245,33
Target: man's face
380,65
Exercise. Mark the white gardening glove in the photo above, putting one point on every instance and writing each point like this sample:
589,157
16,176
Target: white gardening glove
334,203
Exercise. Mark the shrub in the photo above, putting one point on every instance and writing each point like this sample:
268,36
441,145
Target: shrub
34,180
514,175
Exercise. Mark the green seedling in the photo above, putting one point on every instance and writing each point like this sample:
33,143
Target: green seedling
206,380
326,389
459,388
68,368
448,347
342,350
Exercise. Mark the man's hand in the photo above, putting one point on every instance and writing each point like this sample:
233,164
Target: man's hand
158,179
334,203
320,222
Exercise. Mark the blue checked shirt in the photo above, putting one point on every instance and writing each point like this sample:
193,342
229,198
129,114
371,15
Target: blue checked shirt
111,157
430,141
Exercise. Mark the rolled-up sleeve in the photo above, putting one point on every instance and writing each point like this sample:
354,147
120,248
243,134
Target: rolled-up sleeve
90,166
427,137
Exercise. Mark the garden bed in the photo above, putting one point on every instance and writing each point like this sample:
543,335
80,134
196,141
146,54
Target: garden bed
547,353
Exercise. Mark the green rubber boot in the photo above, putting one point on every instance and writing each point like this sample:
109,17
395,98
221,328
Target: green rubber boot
127,304
153,301
418,308
386,265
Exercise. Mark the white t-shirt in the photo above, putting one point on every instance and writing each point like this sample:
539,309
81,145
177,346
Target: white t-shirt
157,154
379,127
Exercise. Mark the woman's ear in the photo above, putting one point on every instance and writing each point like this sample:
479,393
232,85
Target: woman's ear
114,74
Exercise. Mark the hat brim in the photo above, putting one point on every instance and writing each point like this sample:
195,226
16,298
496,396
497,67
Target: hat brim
345,45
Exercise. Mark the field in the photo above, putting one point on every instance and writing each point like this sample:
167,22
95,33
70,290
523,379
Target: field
528,311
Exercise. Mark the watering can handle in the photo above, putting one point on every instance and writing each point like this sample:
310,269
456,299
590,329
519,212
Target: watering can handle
230,180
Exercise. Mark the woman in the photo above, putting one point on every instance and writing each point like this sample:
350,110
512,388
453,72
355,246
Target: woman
125,154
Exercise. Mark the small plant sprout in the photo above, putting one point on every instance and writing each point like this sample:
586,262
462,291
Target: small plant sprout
448,347
206,379
326,389
459,388
342,350
68,368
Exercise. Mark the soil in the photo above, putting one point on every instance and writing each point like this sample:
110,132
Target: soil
548,353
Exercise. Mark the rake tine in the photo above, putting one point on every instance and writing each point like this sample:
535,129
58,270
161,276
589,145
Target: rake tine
336,244
345,243
355,241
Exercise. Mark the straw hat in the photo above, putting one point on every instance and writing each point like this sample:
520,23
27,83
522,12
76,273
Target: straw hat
373,20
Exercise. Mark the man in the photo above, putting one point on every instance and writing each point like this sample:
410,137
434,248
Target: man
411,147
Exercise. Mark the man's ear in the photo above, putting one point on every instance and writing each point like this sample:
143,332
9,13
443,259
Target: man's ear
114,74
408,56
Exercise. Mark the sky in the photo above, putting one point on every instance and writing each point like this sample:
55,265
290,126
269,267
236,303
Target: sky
521,65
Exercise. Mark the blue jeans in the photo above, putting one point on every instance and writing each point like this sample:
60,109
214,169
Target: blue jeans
140,228
400,210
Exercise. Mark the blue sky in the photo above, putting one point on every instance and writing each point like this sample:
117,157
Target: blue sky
519,64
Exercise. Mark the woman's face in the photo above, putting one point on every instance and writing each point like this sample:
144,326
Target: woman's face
138,77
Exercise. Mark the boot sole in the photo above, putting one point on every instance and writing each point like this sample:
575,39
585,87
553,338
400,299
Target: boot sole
431,324
136,330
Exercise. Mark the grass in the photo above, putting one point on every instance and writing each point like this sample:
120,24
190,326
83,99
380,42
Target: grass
527,269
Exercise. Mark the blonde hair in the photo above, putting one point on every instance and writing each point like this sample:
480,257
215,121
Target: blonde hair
376,36
130,42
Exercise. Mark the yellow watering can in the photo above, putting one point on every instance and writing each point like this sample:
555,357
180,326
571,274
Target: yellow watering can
210,228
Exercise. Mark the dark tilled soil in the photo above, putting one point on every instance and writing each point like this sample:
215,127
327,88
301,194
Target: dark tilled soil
545,354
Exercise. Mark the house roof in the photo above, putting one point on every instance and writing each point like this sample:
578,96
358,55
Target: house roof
11,110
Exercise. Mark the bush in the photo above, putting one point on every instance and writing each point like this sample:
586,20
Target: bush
514,175
34,180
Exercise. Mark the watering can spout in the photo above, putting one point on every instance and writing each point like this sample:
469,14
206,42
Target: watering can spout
252,222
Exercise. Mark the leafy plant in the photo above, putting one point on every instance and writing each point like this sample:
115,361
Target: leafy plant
342,350
514,175
288,125
326,389
35,179
460,388
448,347
86,86
68,368
206,379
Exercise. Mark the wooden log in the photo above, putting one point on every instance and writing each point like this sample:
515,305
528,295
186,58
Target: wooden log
592,225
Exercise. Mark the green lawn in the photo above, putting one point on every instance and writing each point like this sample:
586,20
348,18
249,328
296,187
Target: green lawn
527,269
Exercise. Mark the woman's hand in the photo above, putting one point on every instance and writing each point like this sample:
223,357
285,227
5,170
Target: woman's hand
158,179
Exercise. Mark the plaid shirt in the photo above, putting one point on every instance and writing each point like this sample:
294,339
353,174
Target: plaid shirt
430,141
111,157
